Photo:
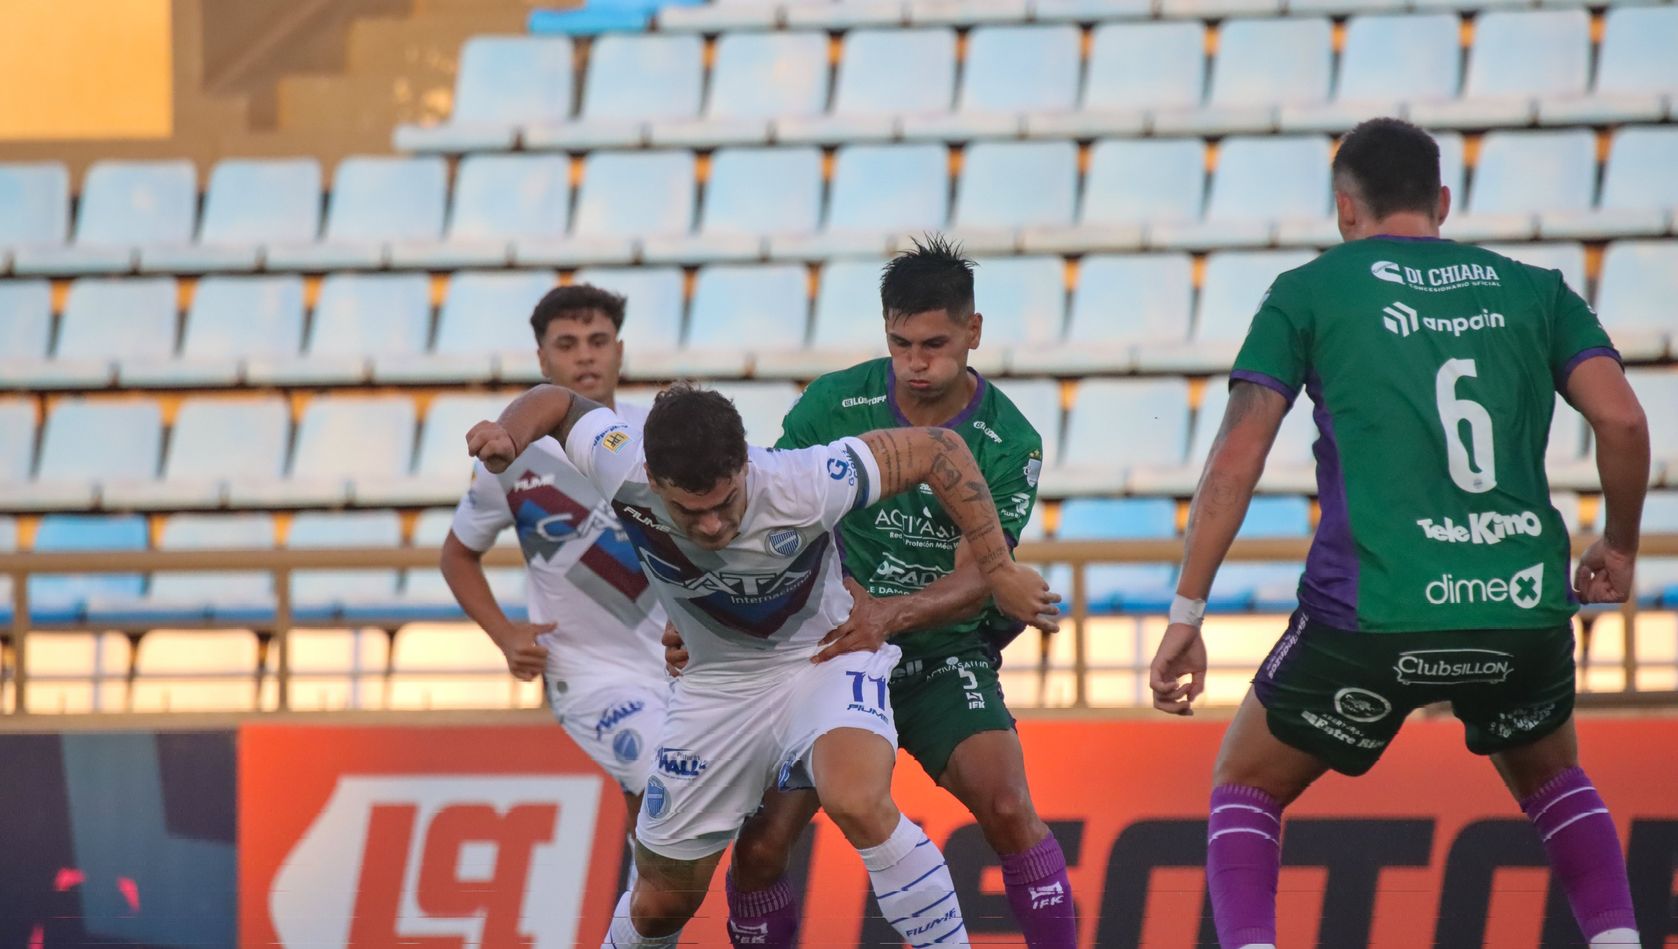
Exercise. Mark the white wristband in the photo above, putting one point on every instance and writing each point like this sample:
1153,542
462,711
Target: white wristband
1186,611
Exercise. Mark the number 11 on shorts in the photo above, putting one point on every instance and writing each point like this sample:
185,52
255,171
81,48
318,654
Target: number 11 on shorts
856,688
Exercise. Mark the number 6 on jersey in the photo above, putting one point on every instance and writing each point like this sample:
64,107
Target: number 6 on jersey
1478,474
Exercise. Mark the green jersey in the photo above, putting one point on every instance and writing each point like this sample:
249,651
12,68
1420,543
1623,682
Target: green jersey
905,542
1433,367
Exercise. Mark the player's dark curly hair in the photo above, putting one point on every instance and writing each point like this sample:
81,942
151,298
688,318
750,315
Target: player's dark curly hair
935,275
693,438
563,303
1391,165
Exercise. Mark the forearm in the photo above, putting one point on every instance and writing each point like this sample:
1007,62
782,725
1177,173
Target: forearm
1622,461
958,595
543,410
464,573
907,457
1215,516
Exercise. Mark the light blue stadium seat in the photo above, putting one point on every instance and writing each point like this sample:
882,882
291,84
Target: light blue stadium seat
849,326
509,196
201,465
1529,172
1638,282
761,406
760,307
1528,53
1289,468
1270,587
231,319
342,439
1039,401
62,598
643,77
1133,180
1236,282
375,200
593,19
487,312
889,188
990,195
1566,257
768,75
1146,66
896,71
364,314
1156,290
34,204
763,191
249,203
25,319
654,311
1020,69
1657,388
229,596
1139,587
504,81
1023,300
1263,62
631,194
109,318
1640,165
97,441
424,587
442,444
1391,58
1116,424
1636,54
1271,177
321,595
17,440
123,204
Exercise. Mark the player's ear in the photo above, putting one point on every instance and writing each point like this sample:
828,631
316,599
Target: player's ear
1444,203
1346,210
975,329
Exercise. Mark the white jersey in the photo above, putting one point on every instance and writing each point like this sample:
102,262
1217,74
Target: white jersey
583,573
765,601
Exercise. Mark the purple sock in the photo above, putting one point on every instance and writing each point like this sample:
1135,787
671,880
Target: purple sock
763,917
1584,851
1041,895
1243,861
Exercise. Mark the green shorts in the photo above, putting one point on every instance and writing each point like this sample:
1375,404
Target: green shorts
940,702
1342,696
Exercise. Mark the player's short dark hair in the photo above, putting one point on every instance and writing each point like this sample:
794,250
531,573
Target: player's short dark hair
693,438
1393,165
935,275
569,303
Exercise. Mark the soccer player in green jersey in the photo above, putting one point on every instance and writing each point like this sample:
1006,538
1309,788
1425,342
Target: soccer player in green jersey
1439,571
914,584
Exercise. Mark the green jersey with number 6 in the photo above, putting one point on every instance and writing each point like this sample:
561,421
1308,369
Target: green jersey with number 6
905,542
1433,367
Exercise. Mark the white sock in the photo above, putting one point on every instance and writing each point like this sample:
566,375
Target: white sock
913,886
622,935
1259,945
1616,937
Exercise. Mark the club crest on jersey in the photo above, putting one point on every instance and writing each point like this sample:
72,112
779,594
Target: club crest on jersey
626,747
657,800
784,542
1033,469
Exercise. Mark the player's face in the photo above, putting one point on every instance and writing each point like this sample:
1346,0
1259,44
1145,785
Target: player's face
929,350
711,519
583,354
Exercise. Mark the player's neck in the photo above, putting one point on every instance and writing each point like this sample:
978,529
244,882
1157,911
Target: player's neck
924,412
1404,224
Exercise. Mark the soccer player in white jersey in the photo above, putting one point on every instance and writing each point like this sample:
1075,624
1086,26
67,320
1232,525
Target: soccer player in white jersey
738,543
594,622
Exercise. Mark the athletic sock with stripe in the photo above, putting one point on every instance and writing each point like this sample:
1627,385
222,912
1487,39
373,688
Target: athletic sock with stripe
912,884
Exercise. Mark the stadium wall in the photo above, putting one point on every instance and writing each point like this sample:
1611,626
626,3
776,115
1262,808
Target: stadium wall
503,834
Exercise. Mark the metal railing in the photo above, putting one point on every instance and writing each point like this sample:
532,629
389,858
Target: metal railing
281,564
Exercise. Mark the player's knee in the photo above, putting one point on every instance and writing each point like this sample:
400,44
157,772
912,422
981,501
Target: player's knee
1009,820
758,861
864,815
659,912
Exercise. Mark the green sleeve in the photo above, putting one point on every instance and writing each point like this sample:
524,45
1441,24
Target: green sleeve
1576,334
1277,350
1013,487
799,427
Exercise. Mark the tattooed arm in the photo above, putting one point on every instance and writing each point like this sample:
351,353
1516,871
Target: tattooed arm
907,457
544,410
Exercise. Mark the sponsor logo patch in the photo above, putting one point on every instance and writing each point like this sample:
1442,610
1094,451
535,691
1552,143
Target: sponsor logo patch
1402,320
681,763
614,716
1362,705
1524,589
1453,666
1486,527
1436,279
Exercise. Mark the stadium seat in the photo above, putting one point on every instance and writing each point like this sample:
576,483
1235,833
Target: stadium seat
847,327
762,405
751,193
878,191
990,204
442,470
232,319
1115,587
330,669
375,200
1519,57
34,205
250,203
497,199
1235,283
653,315
1568,258
200,467
104,319
1039,401
454,666
17,442
1635,73
483,331
424,589
1267,586
1388,61
1290,468
744,307
1567,460
72,672
1657,388
123,204
224,596
632,79
1639,193
342,439
1009,72
1522,174
1131,184
1259,182
61,598
25,324
624,195
1116,425
1023,300
196,670
1261,64
1638,283
884,74
503,82
357,317
86,443
1101,337
322,596
1133,68
757,77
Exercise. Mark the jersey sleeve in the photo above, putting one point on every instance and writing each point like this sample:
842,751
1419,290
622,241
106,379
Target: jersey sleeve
605,447
1576,335
799,428
1277,350
482,513
1013,489
850,479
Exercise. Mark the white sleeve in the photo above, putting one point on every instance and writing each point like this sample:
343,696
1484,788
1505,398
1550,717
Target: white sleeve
606,448
852,479
482,513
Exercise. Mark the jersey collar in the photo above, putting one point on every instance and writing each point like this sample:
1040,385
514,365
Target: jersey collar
960,417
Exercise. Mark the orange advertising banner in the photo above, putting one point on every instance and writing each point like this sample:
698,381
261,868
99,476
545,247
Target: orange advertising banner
508,836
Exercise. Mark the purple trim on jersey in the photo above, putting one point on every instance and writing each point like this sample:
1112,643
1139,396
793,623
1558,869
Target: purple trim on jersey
1415,239
1329,588
1268,381
960,417
1581,356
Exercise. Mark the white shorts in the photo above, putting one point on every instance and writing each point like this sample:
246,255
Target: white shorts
618,724
723,748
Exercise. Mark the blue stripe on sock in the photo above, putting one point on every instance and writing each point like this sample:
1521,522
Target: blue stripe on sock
923,945
924,908
918,879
